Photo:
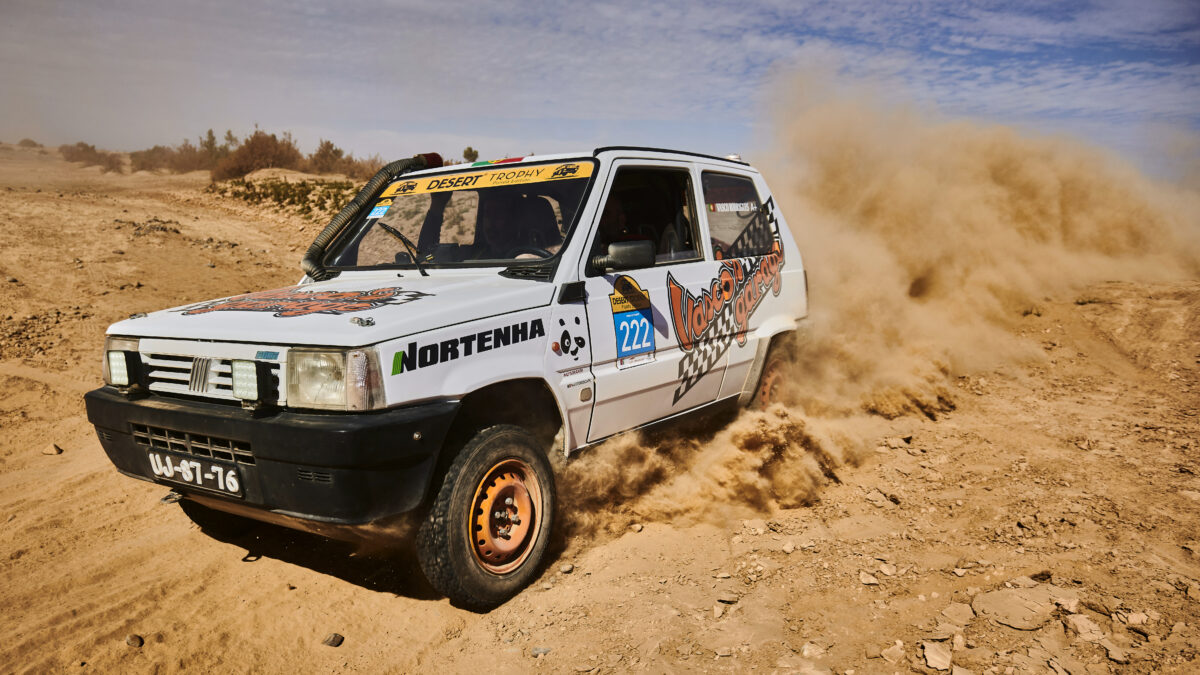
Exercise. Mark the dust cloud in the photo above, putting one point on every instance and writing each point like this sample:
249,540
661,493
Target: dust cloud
926,242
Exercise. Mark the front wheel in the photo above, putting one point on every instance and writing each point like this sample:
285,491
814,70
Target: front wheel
488,528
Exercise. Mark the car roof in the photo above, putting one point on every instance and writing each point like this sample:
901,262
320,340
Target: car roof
646,152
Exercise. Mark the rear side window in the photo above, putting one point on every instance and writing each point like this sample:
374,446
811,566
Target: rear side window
736,224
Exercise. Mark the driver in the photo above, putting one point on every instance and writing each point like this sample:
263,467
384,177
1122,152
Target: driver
499,230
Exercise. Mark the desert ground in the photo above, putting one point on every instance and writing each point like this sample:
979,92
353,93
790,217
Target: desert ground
1037,514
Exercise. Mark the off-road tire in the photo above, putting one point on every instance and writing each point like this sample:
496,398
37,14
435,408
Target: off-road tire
770,381
447,540
214,523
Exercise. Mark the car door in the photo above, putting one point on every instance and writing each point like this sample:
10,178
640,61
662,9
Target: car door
641,370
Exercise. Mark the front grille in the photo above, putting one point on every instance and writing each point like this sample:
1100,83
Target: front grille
172,374
157,438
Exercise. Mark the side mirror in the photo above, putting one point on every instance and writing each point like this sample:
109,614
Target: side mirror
625,255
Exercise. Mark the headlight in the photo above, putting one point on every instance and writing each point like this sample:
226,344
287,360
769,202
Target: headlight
120,358
334,380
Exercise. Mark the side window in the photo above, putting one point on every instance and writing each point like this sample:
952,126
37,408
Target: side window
735,223
651,204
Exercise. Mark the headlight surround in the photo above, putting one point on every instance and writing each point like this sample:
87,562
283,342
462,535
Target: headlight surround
117,363
326,379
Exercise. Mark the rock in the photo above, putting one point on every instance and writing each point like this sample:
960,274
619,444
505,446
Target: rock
937,655
877,499
1020,608
718,610
566,568
333,640
1193,592
727,598
812,650
868,579
725,651
893,654
1115,653
636,527
722,575
539,651
755,526
1022,582
134,640
888,569
959,572
1043,576
874,652
960,642
960,613
1085,628
788,547
52,449
955,670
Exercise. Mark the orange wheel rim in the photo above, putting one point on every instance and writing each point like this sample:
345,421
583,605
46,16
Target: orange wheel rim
505,519
768,387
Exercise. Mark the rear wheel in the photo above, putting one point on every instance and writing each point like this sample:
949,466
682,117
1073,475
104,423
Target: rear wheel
771,381
488,528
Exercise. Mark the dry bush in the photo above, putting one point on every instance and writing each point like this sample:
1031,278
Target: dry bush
29,143
260,150
316,199
90,156
329,158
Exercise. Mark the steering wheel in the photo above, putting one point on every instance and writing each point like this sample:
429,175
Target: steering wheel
533,250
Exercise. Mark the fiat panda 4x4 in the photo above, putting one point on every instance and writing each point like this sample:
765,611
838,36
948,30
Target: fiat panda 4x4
455,327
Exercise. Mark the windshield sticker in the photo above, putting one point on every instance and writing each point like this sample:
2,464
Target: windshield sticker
517,175
413,357
708,323
733,207
297,302
380,209
633,322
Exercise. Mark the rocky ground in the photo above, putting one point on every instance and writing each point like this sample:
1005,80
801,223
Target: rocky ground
1047,524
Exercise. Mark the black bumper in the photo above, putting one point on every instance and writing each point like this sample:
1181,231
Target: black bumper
343,468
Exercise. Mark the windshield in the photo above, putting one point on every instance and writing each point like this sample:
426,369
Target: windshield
495,215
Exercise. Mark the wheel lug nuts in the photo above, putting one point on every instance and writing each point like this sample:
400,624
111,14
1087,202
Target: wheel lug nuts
508,501
498,515
515,520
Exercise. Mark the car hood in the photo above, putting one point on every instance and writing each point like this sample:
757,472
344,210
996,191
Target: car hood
350,311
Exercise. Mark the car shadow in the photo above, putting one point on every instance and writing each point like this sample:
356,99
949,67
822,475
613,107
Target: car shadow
368,561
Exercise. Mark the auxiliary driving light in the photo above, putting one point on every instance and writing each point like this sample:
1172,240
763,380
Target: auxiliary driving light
245,380
118,370
120,361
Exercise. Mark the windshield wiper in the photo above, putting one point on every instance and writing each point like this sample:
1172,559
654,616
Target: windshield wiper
412,249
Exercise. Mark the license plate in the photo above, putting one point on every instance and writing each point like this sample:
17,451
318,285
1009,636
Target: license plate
196,472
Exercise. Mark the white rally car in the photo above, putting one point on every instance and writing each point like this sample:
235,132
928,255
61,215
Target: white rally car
455,326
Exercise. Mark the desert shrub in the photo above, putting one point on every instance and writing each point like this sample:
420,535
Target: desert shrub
90,156
158,157
260,150
317,199
28,143
327,158
111,161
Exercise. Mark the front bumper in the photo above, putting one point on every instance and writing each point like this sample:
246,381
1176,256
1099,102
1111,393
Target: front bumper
342,469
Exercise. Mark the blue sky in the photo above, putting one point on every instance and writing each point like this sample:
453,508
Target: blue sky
512,77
